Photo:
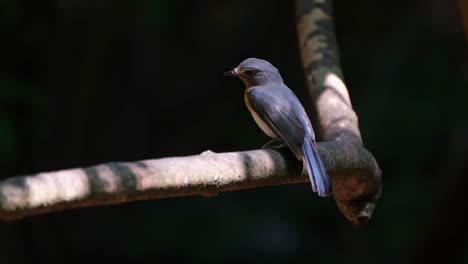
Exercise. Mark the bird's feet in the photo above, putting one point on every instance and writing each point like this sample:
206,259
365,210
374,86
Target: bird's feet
275,143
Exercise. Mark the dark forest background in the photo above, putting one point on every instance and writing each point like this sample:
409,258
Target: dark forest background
84,82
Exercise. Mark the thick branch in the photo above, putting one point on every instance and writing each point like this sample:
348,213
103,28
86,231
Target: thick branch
205,174
337,120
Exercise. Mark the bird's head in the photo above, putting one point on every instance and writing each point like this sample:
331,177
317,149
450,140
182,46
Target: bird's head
255,72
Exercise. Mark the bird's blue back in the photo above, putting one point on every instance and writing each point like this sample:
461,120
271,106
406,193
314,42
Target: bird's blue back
279,107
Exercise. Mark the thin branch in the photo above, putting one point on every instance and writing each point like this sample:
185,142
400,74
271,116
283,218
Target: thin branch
463,6
354,172
337,120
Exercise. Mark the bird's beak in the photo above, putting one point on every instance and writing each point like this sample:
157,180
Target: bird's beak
231,73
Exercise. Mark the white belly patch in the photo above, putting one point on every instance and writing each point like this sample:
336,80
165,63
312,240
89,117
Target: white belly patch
265,128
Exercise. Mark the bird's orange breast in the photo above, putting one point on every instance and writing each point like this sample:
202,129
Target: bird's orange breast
247,101
261,123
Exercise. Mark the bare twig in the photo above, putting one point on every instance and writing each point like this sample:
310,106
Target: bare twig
337,120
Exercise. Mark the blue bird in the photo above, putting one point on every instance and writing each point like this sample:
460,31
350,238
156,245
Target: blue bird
280,115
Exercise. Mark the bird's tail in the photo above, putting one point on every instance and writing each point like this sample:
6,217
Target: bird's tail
317,173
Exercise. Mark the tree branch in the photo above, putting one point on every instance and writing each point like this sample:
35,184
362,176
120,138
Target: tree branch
463,6
354,172
337,120
205,174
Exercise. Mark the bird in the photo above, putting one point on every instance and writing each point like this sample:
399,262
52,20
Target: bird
281,116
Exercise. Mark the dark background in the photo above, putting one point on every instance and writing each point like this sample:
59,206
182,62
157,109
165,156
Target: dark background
84,82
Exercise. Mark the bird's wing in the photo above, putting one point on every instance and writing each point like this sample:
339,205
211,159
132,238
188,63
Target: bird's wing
274,107
282,111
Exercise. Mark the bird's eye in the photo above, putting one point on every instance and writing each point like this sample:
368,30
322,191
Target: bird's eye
249,73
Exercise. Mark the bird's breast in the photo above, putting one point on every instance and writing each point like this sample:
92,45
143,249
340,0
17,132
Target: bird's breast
262,124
